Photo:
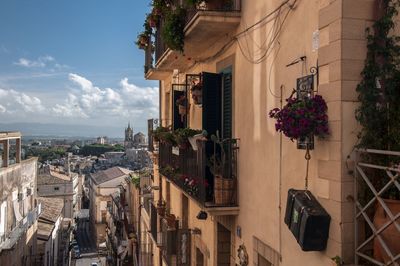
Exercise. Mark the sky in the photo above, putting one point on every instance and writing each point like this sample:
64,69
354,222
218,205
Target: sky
74,62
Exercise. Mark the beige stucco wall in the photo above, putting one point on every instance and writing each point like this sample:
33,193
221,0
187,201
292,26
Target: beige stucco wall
269,164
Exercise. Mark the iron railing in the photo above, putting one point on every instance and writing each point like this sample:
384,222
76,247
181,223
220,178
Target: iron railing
148,57
377,223
181,166
159,45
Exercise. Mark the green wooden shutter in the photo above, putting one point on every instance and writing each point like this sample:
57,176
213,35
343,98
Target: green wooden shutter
212,102
227,105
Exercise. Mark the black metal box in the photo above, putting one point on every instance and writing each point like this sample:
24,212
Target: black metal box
307,219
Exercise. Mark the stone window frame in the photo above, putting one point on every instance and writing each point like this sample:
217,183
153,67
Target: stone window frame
265,251
199,244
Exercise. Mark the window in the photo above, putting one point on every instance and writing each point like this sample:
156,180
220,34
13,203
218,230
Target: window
263,261
199,258
56,188
264,255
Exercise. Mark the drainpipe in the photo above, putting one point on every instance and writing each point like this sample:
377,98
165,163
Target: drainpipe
280,183
139,233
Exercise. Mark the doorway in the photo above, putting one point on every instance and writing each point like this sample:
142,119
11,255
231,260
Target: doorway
224,245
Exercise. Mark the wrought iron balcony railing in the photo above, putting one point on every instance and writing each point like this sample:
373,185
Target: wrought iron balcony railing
189,170
377,207
212,7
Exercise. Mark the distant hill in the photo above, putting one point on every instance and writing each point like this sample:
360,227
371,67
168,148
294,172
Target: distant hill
63,130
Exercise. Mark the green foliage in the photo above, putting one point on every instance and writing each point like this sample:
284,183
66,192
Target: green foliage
135,179
98,149
338,260
379,93
172,31
159,132
182,135
45,154
379,110
194,2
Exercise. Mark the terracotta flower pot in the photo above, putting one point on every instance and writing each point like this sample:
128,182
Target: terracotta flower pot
218,185
391,236
143,40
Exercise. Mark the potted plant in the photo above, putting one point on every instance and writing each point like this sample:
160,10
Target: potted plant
197,93
378,114
220,167
173,29
302,118
191,185
154,17
182,136
158,134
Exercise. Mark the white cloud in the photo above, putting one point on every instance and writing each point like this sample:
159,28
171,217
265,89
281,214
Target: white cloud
84,102
41,62
90,101
19,102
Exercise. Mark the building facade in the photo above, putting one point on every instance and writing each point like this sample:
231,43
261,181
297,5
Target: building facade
55,182
248,57
52,238
102,185
18,210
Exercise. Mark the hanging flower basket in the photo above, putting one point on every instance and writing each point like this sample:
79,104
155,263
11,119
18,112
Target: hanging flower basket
143,39
302,119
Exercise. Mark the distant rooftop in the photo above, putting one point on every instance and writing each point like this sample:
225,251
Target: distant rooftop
51,208
52,176
109,174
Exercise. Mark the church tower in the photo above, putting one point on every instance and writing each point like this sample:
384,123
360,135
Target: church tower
128,143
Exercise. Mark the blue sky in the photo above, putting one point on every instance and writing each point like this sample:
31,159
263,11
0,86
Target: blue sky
74,62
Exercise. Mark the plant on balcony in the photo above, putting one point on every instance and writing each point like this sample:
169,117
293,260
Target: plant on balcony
169,172
197,93
152,19
173,29
158,133
135,180
379,116
300,119
195,2
182,136
191,185
220,166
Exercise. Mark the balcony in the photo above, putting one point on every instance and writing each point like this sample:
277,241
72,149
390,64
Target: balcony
188,170
209,27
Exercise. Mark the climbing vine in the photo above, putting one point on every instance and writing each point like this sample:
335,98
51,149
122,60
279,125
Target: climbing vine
379,89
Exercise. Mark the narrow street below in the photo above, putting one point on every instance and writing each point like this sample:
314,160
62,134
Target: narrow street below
85,237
